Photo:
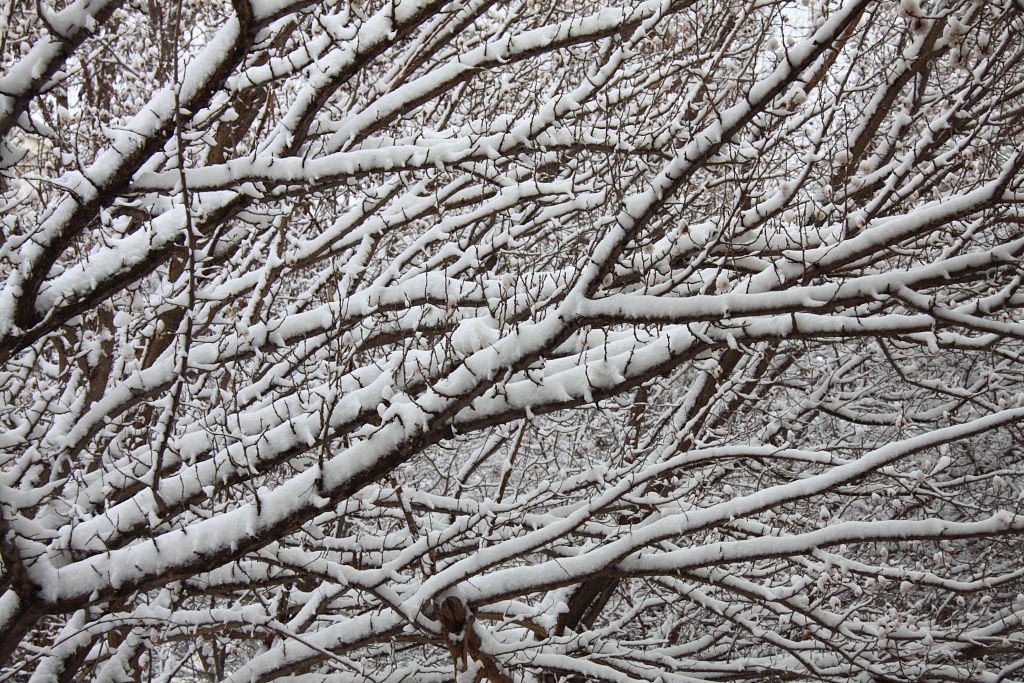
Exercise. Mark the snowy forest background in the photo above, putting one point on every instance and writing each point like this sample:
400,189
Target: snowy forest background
526,340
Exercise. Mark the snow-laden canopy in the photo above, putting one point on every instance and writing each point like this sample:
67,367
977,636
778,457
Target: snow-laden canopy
384,340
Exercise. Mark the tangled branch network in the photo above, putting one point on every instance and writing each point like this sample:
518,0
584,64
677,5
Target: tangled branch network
520,340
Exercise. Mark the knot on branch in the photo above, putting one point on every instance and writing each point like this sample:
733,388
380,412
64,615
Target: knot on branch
457,630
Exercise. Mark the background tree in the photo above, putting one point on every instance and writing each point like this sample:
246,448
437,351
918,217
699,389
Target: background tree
539,340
